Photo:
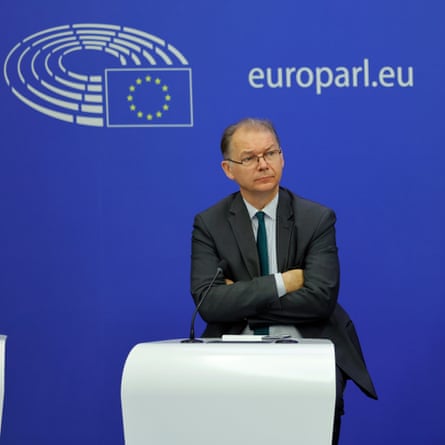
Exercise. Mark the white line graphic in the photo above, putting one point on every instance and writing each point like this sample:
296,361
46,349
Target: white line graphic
42,70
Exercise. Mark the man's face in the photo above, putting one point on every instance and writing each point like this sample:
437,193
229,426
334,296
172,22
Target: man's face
261,177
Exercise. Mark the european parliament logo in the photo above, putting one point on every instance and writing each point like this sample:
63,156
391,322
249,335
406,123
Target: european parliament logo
102,75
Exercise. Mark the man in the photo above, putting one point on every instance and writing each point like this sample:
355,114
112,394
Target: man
292,288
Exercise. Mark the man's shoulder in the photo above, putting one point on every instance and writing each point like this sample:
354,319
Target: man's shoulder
301,204
221,206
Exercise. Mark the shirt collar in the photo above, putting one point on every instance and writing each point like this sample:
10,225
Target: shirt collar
270,210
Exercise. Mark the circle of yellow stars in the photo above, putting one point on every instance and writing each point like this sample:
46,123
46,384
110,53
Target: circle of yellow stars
157,82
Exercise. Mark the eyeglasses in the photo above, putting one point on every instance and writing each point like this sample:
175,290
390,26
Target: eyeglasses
250,161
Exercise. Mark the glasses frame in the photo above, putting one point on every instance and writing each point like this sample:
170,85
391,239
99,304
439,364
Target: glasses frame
278,151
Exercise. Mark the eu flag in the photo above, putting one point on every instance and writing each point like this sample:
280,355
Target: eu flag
149,97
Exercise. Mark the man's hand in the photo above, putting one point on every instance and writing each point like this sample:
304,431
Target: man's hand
293,279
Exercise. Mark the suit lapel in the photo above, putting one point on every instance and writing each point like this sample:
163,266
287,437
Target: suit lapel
241,225
285,231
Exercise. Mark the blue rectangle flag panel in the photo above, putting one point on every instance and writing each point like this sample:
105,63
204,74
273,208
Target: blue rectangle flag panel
149,97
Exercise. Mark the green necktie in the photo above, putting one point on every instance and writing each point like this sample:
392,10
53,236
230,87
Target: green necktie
261,242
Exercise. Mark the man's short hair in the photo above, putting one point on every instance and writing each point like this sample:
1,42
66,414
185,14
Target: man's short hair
261,124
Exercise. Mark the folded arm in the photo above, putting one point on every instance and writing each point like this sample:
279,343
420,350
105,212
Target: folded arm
312,292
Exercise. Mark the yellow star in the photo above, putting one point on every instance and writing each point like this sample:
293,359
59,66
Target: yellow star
140,114
139,81
165,107
148,78
132,107
165,88
132,88
129,98
158,114
149,117
168,97
158,81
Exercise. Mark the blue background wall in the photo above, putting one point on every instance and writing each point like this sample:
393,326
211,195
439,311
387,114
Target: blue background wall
95,222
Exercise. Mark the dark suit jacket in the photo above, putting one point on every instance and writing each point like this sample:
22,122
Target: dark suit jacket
305,239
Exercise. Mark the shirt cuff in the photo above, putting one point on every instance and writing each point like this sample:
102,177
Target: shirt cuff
281,289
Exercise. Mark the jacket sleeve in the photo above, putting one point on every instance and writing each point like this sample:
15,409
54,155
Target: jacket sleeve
255,298
225,303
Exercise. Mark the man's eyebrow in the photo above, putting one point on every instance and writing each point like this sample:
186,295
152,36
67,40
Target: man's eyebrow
250,152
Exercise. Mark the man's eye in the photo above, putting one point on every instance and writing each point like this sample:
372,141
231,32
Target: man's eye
247,159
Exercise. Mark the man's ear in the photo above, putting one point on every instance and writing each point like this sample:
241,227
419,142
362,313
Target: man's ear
227,168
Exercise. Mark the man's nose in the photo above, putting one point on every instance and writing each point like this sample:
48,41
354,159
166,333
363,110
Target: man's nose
262,163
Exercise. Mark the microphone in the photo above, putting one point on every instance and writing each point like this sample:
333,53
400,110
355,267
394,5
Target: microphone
219,270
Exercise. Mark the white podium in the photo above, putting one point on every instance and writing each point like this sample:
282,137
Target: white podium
229,393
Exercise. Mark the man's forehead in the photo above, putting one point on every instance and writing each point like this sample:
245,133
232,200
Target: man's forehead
247,137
